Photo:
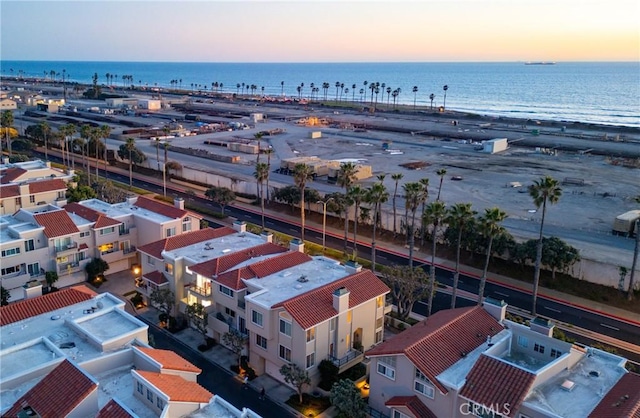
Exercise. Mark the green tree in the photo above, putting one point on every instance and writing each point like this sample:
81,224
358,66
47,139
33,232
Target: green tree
490,228
5,295
408,285
164,300
126,151
295,376
6,121
46,132
67,132
396,178
636,250
220,195
542,191
236,342
260,174
51,277
356,194
434,215
105,131
302,173
96,267
345,178
346,397
557,255
445,88
289,195
377,195
199,318
459,216
441,173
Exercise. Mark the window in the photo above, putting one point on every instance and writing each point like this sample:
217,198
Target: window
149,395
538,348
110,230
33,269
422,385
332,324
160,403
32,198
10,270
555,353
386,367
311,360
285,353
379,322
380,301
29,245
140,388
150,260
379,335
398,414
85,234
186,224
285,327
311,334
61,195
523,341
225,290
10,251
261,341
168,267
171,231
230,312
256,318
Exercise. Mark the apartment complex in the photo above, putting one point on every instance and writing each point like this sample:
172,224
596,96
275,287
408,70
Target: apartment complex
294,308
64,239
473,362
74,353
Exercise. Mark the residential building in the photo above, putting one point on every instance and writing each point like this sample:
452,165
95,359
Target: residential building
50,238
474,362
74,353
8,104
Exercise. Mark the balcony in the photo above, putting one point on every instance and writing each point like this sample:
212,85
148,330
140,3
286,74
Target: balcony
129,250
218,323
241,304
126,231
388,307
68,268
67,247
345,362
202,291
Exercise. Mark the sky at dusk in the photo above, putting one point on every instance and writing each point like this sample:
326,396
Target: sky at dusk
321,31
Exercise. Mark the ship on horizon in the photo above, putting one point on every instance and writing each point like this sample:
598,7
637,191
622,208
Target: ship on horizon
540,63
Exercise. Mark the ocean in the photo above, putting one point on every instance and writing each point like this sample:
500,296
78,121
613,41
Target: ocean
589,92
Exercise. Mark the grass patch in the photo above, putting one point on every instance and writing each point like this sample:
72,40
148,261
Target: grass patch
311,406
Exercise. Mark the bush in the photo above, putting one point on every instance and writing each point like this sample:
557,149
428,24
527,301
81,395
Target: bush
137,300
328,374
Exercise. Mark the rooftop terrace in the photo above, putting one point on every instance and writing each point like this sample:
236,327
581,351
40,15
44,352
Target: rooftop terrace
217,247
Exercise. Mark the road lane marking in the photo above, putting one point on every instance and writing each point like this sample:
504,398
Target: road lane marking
499,293
553,310
610,327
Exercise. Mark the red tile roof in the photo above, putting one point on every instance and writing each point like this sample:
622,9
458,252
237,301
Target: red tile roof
437,343
233,279
28,308
176,388
57,394
49,185
56,223
316,306
114,410
413,404
99,219
221,264
158,207
156,277
11,174
156,248
9,190
492,382
622,401
169,360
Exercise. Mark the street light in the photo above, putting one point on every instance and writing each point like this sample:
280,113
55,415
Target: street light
324,219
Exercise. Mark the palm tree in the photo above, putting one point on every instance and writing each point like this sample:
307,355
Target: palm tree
353,92
7,124
346,177
445,88
356,194
636,249
261,174
282,88
546,189
414,195
388,95
459,216
85,134
434,215
46,130
415,92
105,131
442,172
365,89
68,131
396,178
130,145
432,97
425,184
377,194
268,151
489,226
301,174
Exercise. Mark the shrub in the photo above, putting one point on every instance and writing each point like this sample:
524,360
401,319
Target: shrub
328,374
137,300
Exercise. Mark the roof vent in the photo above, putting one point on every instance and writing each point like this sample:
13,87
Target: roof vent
463,354
594,373
226,250
303,279
568,385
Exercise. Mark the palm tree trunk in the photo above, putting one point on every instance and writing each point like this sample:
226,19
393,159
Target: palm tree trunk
268,173
373,241
130,170
536,273
412,237
483,279
355,231
346,227
262,203
432,271
456,274
634,263
302,215
395,192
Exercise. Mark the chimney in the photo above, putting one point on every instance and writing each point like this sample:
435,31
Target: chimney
5,160
542,326
32,289
48,164
267,236
496,308
24,190
296,245
131,200
352,267
240,226
341,299
179,203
